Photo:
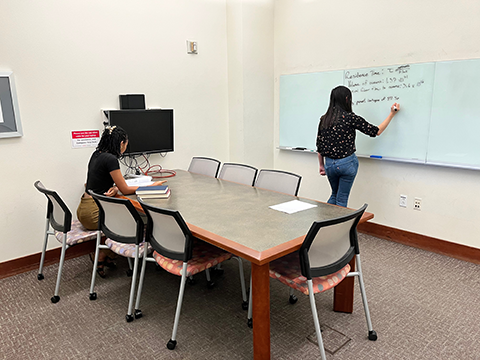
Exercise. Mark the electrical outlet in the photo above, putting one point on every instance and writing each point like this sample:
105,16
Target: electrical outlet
417,204
403,201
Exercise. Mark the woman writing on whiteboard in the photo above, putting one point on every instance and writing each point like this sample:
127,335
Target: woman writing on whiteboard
336,142
105,177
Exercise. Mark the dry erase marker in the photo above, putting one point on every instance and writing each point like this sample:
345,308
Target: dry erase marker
395,108
376,156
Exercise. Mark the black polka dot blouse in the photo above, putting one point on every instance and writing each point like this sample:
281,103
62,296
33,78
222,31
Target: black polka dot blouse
338,141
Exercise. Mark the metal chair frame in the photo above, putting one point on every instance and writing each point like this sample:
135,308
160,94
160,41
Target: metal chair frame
184,255
310,271
58,218
110,233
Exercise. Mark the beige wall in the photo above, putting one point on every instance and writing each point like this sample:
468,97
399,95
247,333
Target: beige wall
250,81
71,59
313,36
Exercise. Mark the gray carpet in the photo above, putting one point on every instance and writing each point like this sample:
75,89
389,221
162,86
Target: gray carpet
423,306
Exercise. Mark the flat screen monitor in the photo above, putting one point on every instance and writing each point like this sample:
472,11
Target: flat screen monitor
149,131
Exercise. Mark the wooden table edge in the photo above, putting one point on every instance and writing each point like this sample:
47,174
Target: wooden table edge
256,257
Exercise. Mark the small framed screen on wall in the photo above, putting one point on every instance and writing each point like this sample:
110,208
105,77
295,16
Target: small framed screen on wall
10,125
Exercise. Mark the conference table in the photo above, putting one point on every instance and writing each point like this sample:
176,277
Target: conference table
238,219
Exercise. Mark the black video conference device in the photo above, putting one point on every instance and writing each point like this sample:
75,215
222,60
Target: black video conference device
132,101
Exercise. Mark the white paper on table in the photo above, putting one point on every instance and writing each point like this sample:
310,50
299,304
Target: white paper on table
293,206
140,181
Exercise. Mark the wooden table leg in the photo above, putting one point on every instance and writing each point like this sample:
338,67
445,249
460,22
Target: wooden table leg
261,311
343,293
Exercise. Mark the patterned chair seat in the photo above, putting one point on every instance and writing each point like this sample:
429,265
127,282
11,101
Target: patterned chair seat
287,270
77,234
204,257
127,250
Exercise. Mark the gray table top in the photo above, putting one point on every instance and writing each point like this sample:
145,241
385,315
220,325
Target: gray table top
241,213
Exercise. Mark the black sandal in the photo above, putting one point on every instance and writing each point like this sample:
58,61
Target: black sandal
100,266
100,269
108,262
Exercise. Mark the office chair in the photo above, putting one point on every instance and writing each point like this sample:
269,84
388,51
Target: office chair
322,263
59,223
204,166
281,181
177,251
124,229
239,173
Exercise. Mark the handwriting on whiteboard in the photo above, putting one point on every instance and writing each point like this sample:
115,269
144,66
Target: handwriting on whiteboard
381,84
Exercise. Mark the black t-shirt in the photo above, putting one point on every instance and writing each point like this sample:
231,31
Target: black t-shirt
338,141
99,168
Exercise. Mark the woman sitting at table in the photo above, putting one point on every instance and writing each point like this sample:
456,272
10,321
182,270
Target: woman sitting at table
104,177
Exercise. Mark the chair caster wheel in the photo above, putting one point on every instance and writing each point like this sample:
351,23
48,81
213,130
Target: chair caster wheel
372,335
293,299
191,281
138,313
129,318
40,277
129,272
250,323
55,299
93,296
171,344
210,284
245,305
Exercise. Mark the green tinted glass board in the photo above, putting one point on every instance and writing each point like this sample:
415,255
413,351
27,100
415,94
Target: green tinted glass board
303,99
437,124
455,124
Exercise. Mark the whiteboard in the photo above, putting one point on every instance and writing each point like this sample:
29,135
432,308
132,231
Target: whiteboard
455,123
303,99
437,101
375,92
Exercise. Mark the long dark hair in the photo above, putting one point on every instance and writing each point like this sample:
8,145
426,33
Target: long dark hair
340,99
111,139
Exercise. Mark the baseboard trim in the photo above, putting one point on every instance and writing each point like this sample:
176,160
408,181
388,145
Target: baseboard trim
30,262
457,251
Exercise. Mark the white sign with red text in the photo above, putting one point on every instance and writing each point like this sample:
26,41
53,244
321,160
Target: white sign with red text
85,138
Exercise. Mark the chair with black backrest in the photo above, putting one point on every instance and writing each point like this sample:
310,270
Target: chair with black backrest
322,263
59,223
204,166
281,181
177,251
124,228
239,173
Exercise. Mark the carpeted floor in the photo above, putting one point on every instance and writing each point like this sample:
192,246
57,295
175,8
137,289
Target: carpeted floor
423,306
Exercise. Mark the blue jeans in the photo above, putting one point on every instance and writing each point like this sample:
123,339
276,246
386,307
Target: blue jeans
341,174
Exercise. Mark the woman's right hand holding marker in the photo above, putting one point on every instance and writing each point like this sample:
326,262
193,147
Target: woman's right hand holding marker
395,108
